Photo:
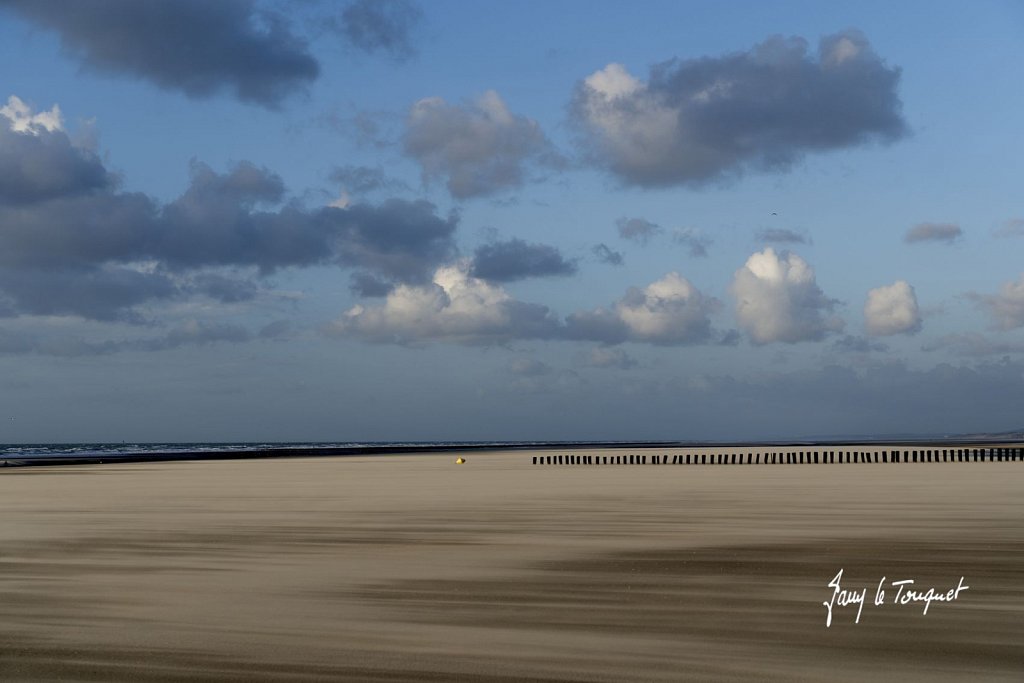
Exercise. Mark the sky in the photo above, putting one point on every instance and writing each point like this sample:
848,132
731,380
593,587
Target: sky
382,220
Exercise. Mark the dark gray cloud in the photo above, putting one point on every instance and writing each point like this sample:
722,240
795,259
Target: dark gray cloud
693,240
700,120
368,285
362,180
78,231
44,164
478,149
228,290
401,240
782,236
221,220
605,254
89,249
104,292
195,46
381,26
933,232
217,222
639,230
516,259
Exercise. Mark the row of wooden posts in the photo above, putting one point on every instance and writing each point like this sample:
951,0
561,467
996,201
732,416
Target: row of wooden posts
793,457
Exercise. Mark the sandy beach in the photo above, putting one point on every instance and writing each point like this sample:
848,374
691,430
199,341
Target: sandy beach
413,568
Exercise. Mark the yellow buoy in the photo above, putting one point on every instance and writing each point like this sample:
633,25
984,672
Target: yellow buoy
460,461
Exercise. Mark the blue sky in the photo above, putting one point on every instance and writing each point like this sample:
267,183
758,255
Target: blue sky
387,220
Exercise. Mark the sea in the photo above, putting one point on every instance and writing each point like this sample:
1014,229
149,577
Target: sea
37,454
73,453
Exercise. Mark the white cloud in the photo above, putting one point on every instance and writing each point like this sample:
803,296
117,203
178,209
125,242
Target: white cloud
892,309
668,311
459,308
21,119
778,300
629,124
455,307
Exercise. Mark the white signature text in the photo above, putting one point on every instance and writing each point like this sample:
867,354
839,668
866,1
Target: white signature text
905,593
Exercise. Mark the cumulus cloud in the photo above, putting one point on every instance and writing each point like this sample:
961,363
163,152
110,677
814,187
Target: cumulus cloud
778,300
480,148
782,236
460,308
699,120
605,254
933,232
669,311
21,118
516,259
195,46
610,357
73,243
456,307
892,309
639,230
381,26
38,160
693,240
1007,307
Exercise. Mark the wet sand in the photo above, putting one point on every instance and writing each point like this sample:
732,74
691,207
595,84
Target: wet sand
411,568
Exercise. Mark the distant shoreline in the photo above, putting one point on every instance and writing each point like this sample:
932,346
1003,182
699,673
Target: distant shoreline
232,452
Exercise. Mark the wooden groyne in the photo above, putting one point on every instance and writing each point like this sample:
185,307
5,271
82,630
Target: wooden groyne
792,457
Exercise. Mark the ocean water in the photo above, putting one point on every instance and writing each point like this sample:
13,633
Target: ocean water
54,453
96,450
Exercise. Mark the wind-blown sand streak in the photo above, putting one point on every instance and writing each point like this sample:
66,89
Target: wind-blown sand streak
412,568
